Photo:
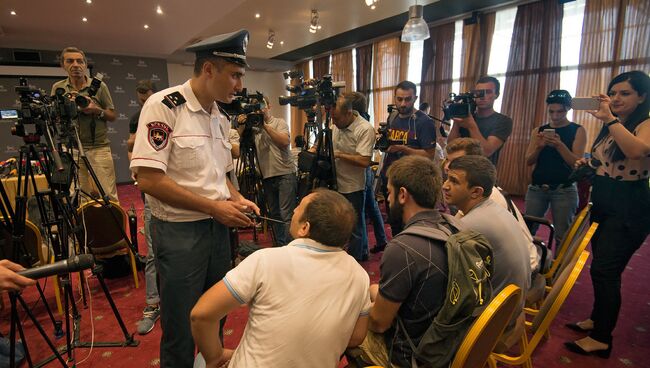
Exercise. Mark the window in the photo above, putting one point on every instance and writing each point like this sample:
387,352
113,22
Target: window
500,50
457,62
570,53
414,72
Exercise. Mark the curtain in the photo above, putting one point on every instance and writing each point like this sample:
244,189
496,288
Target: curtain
533,71
342,69
321,66
298,117
437,66
390,66
475,51
364,69
615,39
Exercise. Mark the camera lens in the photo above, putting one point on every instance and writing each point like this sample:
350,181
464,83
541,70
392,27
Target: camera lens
82,101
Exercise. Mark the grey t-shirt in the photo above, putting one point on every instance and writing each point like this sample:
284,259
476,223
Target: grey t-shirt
358,138
413,272
274,161
509,245
497,125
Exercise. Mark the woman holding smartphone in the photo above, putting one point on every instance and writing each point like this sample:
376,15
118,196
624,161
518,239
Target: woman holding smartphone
621,202
553,150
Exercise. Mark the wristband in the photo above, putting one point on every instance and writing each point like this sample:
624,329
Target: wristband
615,121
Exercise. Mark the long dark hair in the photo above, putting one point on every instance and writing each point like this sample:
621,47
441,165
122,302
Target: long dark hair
640,82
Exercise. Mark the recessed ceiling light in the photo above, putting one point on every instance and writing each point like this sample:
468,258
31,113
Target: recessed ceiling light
84,19
146,26
257,15
159,10
372,7
319,26
281,42
89,1
13,12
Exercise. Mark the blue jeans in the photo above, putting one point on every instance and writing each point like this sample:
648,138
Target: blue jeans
372,210
563,202
280,192
150,275
357,248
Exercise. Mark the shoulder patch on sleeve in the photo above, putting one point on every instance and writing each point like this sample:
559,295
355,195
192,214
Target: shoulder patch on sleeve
173,99
158,134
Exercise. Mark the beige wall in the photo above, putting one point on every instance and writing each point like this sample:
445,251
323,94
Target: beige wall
271,84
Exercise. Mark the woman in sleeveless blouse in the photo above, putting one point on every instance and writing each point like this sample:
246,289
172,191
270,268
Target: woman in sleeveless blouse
621,202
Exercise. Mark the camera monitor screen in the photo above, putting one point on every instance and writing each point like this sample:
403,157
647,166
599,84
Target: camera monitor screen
8,114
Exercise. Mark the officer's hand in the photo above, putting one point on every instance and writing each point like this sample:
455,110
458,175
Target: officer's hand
231,213
9,279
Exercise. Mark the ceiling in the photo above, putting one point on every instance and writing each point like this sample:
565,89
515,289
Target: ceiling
117,26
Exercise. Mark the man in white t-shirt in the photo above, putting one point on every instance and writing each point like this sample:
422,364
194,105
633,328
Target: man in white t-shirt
308,301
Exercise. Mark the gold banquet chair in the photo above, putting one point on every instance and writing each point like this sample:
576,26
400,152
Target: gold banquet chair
103,234
485,332
545,317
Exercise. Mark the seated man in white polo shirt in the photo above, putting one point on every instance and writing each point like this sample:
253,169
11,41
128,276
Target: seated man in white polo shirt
308,301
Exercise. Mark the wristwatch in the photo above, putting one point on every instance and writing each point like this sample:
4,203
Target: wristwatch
615,121
102,114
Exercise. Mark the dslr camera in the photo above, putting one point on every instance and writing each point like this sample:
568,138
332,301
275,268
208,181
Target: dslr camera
308,93
461,105
83,101
383,142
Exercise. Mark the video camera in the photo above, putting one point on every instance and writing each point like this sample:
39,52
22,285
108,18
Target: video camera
249,105
40,109
308,93
383,142
461,105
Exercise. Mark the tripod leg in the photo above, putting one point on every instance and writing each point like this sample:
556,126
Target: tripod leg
47,307
127,337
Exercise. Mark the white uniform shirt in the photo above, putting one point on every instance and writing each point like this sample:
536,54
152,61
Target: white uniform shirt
304,299
358,138
186,142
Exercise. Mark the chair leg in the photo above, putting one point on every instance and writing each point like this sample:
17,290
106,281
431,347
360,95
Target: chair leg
57,294
134,269
491,362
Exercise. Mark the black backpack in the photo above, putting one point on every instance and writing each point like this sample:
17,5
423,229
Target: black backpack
470,266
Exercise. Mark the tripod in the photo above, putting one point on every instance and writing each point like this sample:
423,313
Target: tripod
250,179
323,171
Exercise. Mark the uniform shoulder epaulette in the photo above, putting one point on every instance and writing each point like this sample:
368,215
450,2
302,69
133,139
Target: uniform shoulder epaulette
173,99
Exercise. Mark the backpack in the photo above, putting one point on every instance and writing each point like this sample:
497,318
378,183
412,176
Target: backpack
469,258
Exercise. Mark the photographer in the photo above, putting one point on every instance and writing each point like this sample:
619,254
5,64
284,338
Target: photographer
353,139
488,126
553,149
621,202
91,121
410,132
181,156
278,169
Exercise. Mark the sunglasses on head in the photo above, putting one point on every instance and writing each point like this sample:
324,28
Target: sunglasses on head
558,95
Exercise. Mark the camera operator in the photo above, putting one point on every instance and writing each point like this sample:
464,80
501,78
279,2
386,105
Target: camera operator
353,139
491,128
180,156
276,163
91,120
410,132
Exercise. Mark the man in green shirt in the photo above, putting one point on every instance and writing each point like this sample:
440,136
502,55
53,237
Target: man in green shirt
91,122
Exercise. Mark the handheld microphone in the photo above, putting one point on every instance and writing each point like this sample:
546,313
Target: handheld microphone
72,264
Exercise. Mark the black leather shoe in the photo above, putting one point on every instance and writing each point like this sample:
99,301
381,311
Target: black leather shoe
378,248
576,327
601,353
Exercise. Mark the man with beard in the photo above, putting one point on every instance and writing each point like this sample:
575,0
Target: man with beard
411,288
410,132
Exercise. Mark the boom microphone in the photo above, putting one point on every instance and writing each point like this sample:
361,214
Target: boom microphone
72,264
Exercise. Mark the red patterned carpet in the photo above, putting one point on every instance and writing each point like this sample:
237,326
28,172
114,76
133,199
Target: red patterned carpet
631,342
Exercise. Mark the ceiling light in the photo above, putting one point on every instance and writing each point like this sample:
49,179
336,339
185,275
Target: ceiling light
146,26
281,43
84,19
271,40
13,12
371,3
313,24
159,10
257,15
416,28
373,7
89,1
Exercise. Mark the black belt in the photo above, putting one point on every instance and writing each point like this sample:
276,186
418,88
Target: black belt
547,187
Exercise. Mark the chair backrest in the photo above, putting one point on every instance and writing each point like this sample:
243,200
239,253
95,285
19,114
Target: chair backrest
486,330
103,226
568,245
33,245
574,250
578,223
555,299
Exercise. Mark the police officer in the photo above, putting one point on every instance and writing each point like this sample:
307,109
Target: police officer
180,157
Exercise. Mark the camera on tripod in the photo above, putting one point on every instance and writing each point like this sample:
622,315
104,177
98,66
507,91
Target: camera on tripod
247,104
383,142
308,93
461,105
40,109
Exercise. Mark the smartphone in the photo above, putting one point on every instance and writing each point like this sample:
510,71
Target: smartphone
585,103
550,133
